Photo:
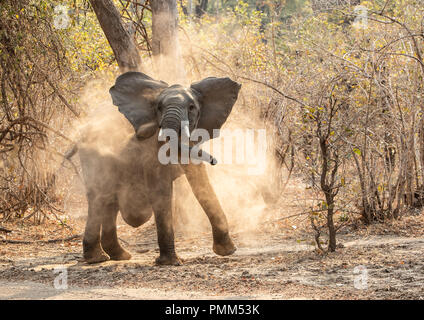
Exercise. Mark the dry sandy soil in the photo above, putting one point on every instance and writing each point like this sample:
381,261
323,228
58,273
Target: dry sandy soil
274,262
276,259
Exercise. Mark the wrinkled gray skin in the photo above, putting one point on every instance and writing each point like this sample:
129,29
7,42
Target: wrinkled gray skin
135,183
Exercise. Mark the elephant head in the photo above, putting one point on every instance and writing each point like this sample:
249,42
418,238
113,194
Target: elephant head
150,104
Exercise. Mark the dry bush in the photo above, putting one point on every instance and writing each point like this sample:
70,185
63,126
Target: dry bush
38,95
345,102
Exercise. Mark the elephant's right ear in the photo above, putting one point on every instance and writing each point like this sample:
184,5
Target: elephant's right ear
135,95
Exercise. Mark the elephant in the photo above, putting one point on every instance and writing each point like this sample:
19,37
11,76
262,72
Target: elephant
135,183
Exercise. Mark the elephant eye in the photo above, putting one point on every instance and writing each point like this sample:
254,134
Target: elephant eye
192,107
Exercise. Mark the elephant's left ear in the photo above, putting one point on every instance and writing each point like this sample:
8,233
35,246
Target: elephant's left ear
217,97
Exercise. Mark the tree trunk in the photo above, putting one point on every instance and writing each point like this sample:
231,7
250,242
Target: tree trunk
330,224
327,188
201,8
121,42
165,46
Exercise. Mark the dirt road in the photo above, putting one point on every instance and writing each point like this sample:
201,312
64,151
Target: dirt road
33,290
267,265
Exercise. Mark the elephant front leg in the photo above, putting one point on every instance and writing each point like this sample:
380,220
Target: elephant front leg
202,189
161,201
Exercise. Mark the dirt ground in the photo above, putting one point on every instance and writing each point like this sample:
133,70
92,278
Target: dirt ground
274,262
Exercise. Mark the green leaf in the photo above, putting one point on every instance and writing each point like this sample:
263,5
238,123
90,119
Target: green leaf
357,151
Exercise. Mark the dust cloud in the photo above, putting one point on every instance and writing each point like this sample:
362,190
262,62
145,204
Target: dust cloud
242,194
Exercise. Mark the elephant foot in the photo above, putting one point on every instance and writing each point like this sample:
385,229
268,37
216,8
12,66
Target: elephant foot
96,256
119,254
224,247
169,260
114,250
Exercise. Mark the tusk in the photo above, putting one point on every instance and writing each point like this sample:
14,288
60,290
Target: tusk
160,136
186,131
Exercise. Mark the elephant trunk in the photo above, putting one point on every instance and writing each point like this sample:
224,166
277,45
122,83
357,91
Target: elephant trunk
198,154
175,118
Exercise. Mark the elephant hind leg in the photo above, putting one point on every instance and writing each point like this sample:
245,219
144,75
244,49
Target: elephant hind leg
92,248
109,239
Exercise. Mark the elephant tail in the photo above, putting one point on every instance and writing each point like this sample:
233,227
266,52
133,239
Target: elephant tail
71,152
67,157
